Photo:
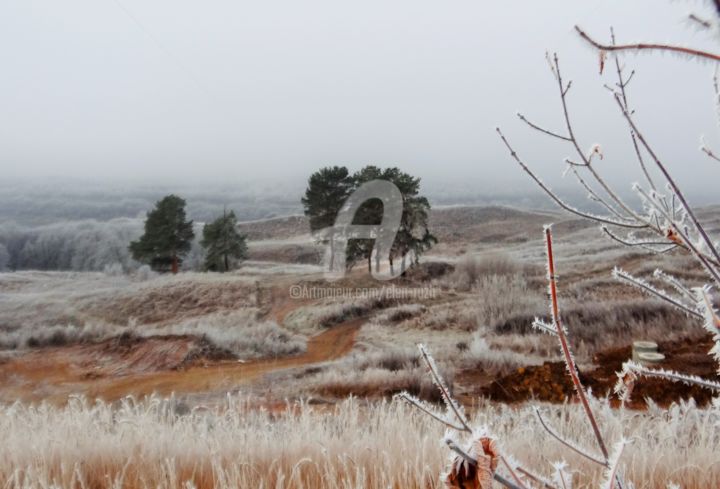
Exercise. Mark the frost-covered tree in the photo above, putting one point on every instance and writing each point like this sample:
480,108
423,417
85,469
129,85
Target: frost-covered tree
168,236
76,245
224,245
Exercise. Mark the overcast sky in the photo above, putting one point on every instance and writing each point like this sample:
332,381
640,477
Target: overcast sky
224,90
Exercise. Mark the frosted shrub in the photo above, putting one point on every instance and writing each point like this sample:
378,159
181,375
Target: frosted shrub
332,312
401,313
493,360
239,332
501,297
471,269
666,222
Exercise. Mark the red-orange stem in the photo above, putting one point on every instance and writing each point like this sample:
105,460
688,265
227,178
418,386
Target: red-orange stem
572,368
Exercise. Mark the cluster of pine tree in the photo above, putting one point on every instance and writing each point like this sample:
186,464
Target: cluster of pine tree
169,234
168,238
329,188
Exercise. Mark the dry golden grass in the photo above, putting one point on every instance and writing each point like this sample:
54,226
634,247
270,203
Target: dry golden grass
165,444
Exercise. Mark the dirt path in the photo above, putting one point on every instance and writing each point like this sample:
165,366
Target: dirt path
55,373
329,345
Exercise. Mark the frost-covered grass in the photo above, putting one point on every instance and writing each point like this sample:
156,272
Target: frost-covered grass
59,308
372,373
255,267
330,312
237,331
480,354
163,444
32,299
57,335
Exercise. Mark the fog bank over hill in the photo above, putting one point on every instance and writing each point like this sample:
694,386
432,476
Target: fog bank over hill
45,201
42,201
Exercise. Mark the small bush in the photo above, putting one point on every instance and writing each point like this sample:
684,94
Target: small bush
471,269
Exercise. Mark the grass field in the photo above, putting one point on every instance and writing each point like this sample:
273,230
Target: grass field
164,444
251,388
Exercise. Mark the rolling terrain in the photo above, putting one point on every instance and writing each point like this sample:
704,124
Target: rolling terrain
229,380
201,335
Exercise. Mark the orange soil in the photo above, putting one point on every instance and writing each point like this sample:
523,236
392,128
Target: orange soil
551,382
329,345
154,366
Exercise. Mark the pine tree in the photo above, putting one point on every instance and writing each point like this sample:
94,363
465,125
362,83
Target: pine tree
168,236
370,213
327,190
223,243
413,235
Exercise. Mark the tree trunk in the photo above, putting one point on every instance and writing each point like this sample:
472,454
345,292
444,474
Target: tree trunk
369,263
174,264
227,267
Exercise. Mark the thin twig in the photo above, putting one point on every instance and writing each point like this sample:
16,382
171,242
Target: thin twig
620,274
622,84
415,403
648,245
544,327
700,22
648,47
535,478
639,370
453,446
593,195
440,384
557,199
710,153
518,480
541,129
675,283
502,480
676,190
704,260
579,151
572,447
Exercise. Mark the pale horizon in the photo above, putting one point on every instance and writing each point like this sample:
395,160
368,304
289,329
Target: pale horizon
241,92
